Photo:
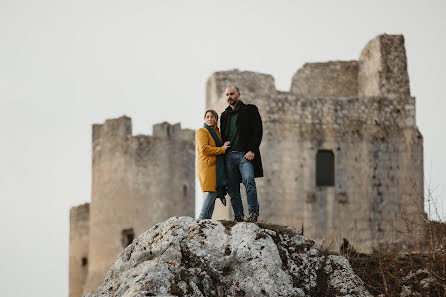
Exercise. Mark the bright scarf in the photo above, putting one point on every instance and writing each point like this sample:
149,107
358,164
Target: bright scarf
222,182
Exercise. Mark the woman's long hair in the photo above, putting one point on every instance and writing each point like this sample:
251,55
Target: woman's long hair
214,113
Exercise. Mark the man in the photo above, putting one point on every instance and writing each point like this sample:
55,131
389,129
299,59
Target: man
241,124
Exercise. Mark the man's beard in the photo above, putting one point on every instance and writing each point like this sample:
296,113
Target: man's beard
232,102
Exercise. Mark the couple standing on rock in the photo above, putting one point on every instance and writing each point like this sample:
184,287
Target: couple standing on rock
231,156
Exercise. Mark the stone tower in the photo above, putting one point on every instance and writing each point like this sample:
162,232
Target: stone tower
137,181
79,219
341,151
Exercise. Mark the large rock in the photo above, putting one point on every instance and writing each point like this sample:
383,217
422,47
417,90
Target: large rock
187,257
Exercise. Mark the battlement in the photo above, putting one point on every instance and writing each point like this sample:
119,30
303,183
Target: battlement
380,71
166,130
115,137
173,131
121,126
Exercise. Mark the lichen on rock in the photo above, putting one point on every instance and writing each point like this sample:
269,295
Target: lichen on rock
187,257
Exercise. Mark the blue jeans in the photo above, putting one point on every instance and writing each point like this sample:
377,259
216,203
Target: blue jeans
207,209
237,166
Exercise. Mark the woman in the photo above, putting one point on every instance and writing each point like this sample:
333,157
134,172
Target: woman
210,163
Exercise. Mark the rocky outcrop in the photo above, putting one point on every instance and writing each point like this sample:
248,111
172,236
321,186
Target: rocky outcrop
187,257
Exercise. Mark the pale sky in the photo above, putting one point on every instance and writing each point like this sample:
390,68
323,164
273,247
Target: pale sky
67,64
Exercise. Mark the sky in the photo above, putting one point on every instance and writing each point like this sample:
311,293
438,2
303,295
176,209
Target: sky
67,64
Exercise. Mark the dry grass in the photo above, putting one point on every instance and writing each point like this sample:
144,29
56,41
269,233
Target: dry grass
420,271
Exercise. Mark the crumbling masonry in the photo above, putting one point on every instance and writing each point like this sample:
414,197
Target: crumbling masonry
341,151
138,181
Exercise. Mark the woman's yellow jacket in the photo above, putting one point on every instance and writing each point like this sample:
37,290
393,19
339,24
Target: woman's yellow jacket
207,160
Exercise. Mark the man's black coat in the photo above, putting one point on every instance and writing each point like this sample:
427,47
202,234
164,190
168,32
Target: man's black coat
249,125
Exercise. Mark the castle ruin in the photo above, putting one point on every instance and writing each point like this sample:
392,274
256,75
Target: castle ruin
137,181
342,157
341,151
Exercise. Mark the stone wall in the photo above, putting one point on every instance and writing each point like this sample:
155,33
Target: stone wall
79,219
383,67
326,79
138,181
378,166
361,111
377,148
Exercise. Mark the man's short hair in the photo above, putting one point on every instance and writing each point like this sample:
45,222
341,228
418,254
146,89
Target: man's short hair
235,87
